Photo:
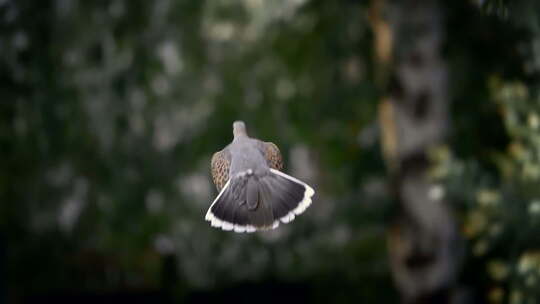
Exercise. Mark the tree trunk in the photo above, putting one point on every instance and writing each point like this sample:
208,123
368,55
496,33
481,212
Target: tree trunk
423,242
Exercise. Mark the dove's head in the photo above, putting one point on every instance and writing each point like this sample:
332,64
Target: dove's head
239,129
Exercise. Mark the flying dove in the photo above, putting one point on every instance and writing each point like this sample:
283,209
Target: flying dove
253,192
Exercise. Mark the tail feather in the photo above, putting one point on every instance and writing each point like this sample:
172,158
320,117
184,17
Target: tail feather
252,194
300,195
248,203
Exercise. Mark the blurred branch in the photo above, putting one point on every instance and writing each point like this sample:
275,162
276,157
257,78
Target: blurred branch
423,240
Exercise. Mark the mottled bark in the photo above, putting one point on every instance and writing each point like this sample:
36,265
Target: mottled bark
423,241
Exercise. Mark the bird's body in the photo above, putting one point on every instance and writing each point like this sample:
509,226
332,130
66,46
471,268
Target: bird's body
254,194
247,154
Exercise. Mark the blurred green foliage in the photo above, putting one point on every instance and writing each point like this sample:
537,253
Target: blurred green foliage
111,110
490,168
501,210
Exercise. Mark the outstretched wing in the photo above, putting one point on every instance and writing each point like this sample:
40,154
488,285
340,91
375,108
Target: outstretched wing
221,162
273,156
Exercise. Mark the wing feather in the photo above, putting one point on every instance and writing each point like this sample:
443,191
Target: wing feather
220,165
273,156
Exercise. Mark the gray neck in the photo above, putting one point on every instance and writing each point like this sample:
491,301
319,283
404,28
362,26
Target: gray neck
239,129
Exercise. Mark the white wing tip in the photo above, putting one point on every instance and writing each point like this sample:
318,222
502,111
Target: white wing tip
227,226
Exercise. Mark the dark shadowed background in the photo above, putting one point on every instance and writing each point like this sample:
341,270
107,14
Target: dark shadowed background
418,125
